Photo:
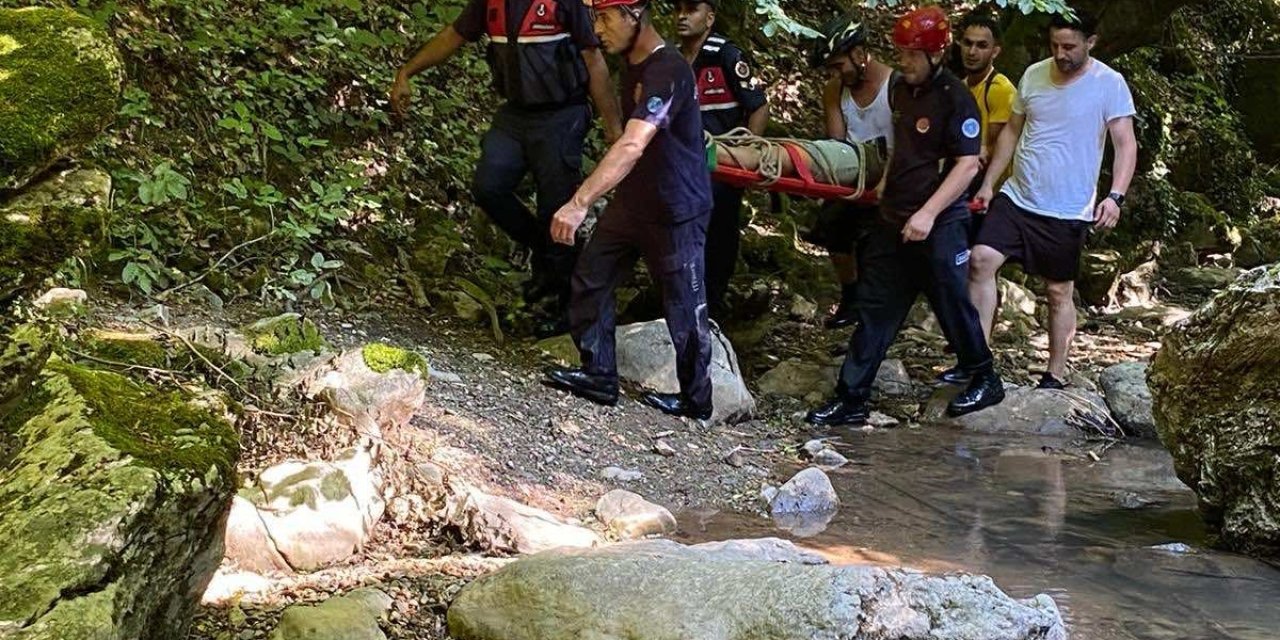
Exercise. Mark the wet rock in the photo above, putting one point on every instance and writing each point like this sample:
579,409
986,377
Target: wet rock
620,475
1214,389
892,379
1030,411
1125,388
123,491
768,549
353,616
1178,548
809,491
61,88
1133,501
1099,271
830,459
1202,279
647,357
502,525
814,447
630,516
881,421
660,589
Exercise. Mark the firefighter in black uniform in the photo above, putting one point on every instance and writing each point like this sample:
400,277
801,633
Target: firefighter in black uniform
920,244
659,212
729,96
546,61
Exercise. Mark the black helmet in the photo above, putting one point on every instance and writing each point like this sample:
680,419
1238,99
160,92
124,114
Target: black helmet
838,36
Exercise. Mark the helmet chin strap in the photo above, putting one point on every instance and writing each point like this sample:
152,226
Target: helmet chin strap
635,32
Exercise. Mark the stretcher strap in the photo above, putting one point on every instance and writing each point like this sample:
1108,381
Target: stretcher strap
770,152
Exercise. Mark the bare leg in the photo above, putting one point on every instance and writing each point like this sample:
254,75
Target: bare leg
749,158
1062,326
984,264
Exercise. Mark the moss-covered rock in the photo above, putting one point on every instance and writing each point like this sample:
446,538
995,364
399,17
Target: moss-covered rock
1259,244
34,242
112,509
384,357
284,334
60,80
1215,384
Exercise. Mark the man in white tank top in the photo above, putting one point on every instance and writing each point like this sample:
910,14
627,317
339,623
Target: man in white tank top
856,106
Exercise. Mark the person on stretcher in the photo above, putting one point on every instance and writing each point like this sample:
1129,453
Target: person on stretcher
833,162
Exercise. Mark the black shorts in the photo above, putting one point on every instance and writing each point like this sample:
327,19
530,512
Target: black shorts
840,224
1044,246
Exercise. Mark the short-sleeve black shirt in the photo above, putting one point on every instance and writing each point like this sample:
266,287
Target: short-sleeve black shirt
933,124
670,182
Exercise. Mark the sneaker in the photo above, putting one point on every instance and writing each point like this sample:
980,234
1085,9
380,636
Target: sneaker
1048,381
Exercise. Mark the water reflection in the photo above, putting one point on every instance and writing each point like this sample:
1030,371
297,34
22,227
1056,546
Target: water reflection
1038,521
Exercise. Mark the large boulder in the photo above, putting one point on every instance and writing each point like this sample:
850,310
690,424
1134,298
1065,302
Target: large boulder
660,589
353,616
1259,244
112,506
1125,388
1028,411
1215,384
647,357
59,87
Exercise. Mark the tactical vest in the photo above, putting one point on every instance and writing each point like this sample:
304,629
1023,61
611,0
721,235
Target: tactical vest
714,93
535,62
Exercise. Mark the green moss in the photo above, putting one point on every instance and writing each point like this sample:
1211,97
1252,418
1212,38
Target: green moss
23,353
285,334
34,242
160,429
335,486
384,357
127,348
59,87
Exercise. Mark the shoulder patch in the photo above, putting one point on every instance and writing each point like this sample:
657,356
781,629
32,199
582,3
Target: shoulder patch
971,128
742,70
654,104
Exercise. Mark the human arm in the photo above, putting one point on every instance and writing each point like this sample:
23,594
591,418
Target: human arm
1107,213
616,164
1001,156
759,120
438,49
952,188
834,117
602,93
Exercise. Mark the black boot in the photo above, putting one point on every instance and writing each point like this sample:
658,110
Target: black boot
839,412
847,311
596,388
675,404
985,390
954,375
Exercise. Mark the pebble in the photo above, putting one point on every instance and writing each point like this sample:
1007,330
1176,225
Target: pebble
880,420
620,474
830,458
482,357
664,449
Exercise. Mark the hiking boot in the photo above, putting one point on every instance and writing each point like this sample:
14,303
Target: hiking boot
675,404
1048,381
984,390
838,413
954,375
846,312
596,388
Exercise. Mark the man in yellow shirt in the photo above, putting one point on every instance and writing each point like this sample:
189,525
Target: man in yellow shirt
994,93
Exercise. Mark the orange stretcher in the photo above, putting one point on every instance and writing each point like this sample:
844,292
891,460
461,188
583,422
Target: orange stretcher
805,185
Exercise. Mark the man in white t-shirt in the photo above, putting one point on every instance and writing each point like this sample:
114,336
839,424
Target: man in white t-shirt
1066,107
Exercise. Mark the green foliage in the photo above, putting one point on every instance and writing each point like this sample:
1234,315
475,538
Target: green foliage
384,357
284,334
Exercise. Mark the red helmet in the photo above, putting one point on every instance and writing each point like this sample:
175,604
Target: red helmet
926,29
605,4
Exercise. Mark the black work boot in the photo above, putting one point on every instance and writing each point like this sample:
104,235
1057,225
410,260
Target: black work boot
840,412
954,375
846,312
596,388
985,390
675,404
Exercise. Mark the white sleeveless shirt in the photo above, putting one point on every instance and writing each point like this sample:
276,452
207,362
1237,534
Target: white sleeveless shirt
863,124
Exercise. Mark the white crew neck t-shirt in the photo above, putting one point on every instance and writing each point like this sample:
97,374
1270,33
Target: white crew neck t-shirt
864,124
1059,154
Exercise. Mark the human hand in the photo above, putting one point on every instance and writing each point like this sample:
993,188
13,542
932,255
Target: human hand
984,196
564,226
918,227
401,95
1107,214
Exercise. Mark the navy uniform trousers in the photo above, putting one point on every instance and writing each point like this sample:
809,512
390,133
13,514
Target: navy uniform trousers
547,143
724,235
675,258
891,276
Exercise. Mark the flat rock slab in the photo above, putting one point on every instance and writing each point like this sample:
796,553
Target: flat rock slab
353,616
662,590
1040,412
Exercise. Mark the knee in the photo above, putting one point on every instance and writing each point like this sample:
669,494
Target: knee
984,262
1060,293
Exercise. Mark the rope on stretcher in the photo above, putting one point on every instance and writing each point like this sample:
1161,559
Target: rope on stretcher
772,151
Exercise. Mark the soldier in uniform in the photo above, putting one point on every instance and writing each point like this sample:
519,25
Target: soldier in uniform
729,96
546,62
659,211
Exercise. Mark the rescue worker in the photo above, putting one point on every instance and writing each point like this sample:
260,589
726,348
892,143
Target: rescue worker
855,102
730,96
1066,108
546,61
659,211
919,244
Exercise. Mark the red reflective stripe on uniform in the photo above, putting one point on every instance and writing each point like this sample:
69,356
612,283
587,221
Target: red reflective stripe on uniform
541,20
496,14
712,88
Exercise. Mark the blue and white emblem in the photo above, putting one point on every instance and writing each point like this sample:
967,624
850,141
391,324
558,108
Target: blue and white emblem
962,257
654,104
971,128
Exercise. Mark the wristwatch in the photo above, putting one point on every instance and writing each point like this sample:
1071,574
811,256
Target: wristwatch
1118,197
